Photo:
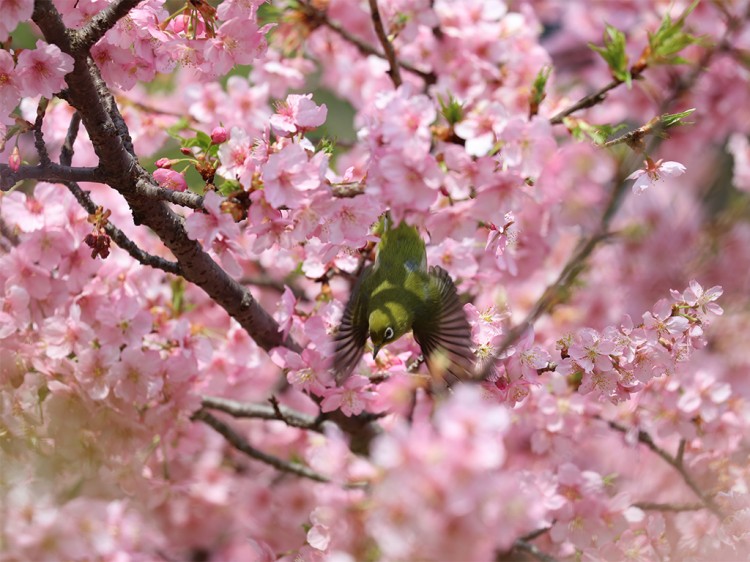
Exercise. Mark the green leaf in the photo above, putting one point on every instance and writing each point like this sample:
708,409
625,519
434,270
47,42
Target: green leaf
228,187
178,296
676,119
670,39
326,145
540,84
598,134
204,141
175,130
451,109
613,52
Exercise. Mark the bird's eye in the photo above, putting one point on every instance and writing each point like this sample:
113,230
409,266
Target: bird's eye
388,334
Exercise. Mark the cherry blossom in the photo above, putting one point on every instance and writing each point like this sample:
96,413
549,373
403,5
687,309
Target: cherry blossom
166,389
653,172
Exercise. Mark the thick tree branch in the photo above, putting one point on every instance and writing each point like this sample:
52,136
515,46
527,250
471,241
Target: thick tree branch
390,54
51,172
88,94
183,198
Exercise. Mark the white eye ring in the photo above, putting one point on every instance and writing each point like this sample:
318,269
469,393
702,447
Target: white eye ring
388,334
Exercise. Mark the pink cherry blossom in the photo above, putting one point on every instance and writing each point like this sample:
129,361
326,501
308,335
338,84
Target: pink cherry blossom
14,12
42,71
353,398
213,223
653,172
297,114
152,412
170,179
290,172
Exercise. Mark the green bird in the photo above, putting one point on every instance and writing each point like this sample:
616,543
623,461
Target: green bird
398,293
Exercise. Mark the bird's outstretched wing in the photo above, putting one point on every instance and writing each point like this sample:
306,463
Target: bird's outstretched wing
443,333
352,335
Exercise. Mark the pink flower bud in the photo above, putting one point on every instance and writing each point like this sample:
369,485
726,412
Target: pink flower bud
163,163
219,135
170,179
15,159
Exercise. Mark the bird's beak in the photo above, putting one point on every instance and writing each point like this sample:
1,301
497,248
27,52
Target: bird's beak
375,351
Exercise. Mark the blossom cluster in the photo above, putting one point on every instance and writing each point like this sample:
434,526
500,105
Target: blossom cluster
141,418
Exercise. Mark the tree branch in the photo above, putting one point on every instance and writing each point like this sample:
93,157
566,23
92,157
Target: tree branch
533,551
183,198
239,443
120,238
363,47
289,416
51,172
39,144
671,507
587,101
88,93
554,293
647,440
103,22
390,54
84,199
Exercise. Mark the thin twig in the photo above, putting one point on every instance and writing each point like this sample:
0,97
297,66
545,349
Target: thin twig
239,443
266,281
533,551
362,46
237,409
66,152
39,144
84,199
390,53
577,261
535,534
585,102
646,439
120,238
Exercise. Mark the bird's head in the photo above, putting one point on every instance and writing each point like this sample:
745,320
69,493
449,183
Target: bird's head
384,328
